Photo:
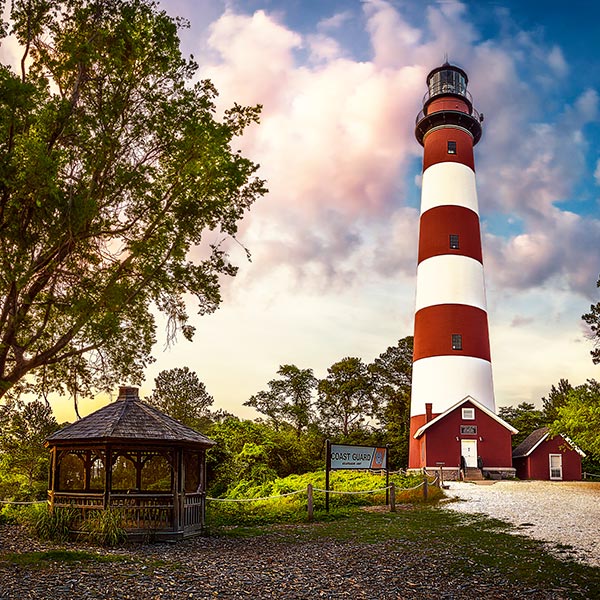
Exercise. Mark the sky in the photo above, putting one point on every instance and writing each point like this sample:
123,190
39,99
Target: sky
333,244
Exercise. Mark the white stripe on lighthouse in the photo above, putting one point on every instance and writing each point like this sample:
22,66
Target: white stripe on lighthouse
445,380
450,279
449,183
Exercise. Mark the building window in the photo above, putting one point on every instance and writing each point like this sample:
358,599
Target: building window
468,414
454,241
457,341
468,429
451,147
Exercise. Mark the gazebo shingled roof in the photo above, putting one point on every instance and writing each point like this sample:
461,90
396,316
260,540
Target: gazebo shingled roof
129,418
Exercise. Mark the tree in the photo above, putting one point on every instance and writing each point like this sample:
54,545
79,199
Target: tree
346,399
24,428
181,395
593,320
525,417
288,399
556,398
113,171
579,417
392,381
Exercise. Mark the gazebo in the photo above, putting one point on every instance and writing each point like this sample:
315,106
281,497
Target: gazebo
130,456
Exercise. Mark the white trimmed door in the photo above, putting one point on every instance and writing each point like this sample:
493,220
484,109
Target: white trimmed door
468,449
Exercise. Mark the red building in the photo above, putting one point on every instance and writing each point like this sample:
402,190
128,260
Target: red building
467,433
540,457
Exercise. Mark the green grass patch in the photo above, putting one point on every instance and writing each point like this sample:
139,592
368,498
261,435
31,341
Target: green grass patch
40,559
286,501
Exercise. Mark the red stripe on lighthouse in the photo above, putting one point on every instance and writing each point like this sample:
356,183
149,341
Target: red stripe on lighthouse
439,223
436,147
435,326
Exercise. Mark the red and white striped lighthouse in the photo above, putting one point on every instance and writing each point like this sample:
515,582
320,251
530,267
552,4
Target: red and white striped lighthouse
451,341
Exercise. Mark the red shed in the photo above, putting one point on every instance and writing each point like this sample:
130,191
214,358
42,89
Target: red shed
467,433
539,456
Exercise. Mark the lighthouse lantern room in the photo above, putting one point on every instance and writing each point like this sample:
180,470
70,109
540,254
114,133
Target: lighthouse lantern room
452,389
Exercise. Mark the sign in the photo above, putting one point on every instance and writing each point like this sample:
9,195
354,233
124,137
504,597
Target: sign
468,429
357,457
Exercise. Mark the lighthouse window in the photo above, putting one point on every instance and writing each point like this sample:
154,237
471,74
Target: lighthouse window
457,341
451,147
454,241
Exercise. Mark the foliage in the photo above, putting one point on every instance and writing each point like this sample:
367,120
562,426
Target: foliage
593,320
105,527
24,460
253,451
579,417
525,417
277,500
556,398
392,380
114,168
42,558
288,399
346,397
180,394
56,524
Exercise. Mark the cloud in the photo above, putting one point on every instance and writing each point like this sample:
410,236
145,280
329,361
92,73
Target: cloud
337,148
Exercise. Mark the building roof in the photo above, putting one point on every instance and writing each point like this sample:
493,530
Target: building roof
534,439
128,419
478,405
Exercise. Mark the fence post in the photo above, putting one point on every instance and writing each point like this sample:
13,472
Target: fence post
392,498
309,491
425,485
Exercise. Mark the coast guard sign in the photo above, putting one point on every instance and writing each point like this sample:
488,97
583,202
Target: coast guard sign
357,457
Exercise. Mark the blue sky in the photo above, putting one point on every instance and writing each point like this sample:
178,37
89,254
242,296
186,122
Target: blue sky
334,243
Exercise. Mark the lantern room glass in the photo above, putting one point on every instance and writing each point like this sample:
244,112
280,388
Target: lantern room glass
447,81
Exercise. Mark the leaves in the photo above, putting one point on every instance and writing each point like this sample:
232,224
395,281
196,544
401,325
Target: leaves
113,168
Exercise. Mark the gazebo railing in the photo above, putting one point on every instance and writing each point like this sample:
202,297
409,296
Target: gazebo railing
144,511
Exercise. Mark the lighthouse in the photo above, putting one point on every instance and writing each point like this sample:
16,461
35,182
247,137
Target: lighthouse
452,398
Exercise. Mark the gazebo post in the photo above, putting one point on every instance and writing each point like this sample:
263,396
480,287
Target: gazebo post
52,482
107,476
176,487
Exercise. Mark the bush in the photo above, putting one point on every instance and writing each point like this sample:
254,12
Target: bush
278,507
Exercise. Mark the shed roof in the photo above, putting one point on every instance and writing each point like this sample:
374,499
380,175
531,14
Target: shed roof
534,439
128,419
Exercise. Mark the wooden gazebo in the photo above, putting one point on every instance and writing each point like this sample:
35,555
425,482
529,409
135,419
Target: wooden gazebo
131,456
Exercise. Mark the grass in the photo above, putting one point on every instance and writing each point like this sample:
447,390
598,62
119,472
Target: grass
470,546
42,558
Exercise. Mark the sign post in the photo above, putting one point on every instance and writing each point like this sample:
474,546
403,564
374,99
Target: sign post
354,457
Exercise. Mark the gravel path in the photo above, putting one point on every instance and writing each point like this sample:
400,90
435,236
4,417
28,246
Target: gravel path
566,513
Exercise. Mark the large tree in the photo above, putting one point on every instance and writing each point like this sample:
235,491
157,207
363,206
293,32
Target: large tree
593,320
180,394
288,399
579,417
113,169
24,460
392,380
346,400
525,417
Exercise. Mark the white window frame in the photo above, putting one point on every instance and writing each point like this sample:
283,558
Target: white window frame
560,468
468,414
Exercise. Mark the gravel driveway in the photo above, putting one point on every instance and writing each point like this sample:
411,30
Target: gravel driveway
566,513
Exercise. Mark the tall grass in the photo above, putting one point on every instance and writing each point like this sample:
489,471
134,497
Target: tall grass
278,507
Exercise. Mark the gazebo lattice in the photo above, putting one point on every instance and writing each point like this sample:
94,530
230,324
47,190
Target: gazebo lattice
130,456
